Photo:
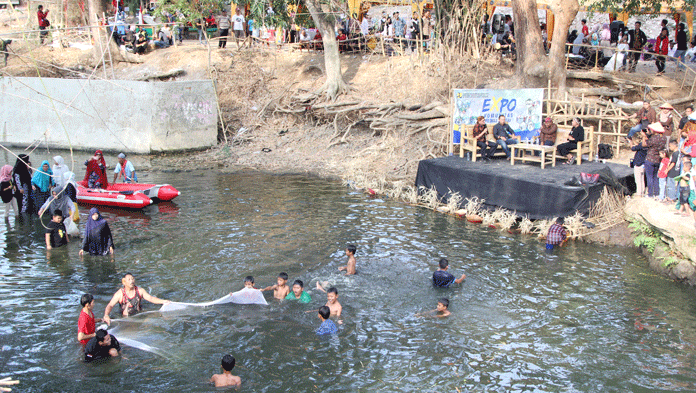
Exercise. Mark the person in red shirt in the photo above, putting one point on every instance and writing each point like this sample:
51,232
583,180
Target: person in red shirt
661,49
43,22
585,29
86,324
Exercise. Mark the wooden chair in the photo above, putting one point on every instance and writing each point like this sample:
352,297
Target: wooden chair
584,147
468,142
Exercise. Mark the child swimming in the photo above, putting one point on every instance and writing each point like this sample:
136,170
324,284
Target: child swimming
281,289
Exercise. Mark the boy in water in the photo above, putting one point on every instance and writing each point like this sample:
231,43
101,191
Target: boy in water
327,326
332,300
86,323
56,235
281,289
226,378
442,278
556,235
350,267
298,293
441,311
102,345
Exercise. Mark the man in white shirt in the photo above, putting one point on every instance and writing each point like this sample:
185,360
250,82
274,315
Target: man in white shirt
238,26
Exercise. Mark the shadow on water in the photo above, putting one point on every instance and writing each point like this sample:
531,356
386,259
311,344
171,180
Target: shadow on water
584,318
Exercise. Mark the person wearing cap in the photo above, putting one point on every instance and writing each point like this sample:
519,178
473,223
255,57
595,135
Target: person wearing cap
665,118
547,133
654,141
645,115
125,170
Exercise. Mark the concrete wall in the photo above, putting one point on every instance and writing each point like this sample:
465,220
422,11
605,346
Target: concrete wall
130,116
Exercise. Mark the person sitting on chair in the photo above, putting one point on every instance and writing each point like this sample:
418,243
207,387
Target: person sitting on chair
577,134
504,135
480,132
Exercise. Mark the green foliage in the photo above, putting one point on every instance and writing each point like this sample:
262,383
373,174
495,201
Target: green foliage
647,236
192,10
282,15
669,261
637,7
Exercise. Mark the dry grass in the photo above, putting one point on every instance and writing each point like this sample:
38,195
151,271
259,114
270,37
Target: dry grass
454,201
410,195
505,218
473,206
526,226
487,217
541,227
574,225
428,197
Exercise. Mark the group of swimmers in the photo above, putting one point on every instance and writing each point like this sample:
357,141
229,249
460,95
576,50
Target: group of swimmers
99,344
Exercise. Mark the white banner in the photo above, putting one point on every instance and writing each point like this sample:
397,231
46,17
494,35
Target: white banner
521,108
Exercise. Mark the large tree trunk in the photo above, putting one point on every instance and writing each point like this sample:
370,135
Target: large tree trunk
334,85
531,58
564,11
95,8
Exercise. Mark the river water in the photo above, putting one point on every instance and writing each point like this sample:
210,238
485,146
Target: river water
587,319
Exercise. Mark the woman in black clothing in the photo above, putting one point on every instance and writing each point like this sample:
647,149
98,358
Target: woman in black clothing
577,134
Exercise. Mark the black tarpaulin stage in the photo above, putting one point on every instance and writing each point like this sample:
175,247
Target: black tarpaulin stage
525,188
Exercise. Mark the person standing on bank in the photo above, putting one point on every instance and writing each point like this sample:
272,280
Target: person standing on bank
43,23
654,141
682,47
636,41
238,26
224,26
661,50
98,240
577,134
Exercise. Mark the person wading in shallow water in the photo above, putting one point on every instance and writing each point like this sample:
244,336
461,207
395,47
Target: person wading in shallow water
130,299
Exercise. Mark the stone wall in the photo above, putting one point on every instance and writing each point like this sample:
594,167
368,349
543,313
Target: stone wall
113,115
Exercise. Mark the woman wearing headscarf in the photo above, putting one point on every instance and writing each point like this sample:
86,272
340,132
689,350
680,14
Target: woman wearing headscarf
96,171
59,168
41,184
22,181
98,240
7,190
60,201
70,185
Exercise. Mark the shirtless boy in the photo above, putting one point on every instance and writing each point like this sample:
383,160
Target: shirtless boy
332,300
281,289
226,378
350,267
130,298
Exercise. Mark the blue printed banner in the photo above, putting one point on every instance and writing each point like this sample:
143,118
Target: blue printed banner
522,109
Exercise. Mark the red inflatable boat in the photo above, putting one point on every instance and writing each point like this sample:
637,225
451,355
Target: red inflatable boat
128,195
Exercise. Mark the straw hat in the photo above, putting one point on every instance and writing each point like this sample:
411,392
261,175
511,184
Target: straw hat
657,127
666,105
